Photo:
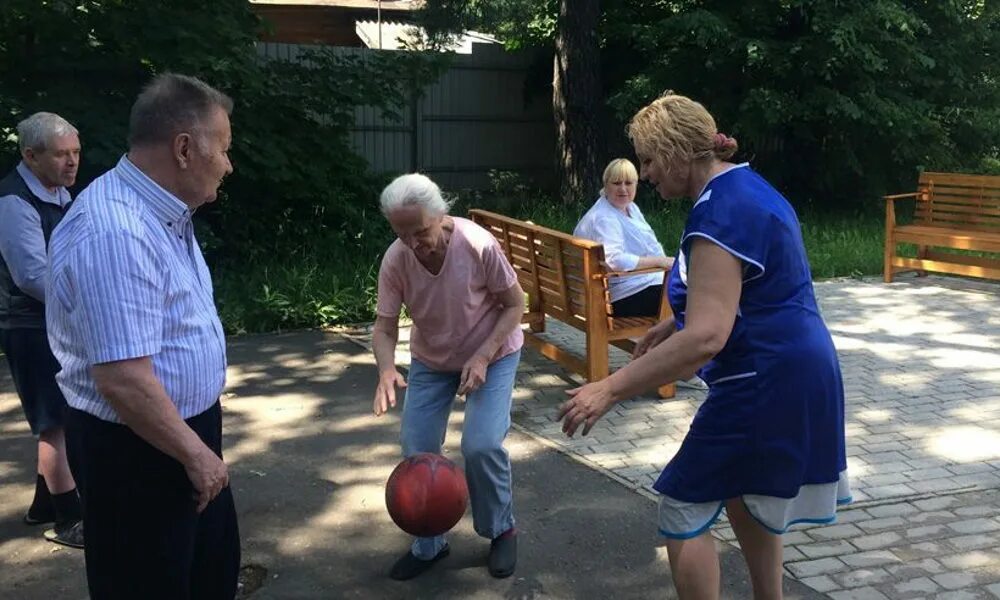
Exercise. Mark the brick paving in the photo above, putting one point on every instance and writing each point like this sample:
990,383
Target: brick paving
922,377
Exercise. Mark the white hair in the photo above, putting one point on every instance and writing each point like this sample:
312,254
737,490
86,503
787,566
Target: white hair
414,189
35,131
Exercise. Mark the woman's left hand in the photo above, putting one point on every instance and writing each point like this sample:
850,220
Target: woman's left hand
473,374
586,405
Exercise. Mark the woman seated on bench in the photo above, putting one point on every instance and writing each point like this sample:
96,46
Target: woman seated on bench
629,243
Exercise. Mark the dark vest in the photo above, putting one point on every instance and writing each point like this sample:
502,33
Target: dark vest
17,309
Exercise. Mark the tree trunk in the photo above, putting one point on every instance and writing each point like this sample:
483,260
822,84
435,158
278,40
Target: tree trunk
576,100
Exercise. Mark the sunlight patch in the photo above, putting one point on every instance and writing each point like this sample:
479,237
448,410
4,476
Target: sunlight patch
874,416
961,359
965,444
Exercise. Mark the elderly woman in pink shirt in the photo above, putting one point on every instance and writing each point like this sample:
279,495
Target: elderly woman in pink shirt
466,306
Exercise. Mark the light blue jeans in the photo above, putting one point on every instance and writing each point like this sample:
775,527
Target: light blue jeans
427,405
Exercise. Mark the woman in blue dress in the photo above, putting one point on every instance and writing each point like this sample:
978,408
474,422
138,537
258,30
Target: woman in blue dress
768,442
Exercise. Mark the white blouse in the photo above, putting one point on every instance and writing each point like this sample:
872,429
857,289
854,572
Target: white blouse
625,240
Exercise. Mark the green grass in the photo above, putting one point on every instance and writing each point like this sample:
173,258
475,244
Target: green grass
325,283
837,245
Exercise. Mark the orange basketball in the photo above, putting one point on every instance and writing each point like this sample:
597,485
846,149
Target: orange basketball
426,495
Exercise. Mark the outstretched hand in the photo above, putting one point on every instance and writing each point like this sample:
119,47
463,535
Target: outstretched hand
585,407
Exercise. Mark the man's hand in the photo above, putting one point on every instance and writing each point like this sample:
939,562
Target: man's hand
385,393
473,374
654,336
208,475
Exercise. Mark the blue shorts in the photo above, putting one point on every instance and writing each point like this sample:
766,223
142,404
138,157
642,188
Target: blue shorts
33,369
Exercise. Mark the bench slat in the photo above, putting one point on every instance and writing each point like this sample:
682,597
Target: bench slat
959,180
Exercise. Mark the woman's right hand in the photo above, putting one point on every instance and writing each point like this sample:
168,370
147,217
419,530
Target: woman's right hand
385,393
656,334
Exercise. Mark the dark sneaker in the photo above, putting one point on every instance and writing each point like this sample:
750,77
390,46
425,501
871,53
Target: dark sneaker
409,566
68,535
503,555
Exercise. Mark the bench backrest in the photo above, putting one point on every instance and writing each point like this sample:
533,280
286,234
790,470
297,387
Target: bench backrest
554,268
957,200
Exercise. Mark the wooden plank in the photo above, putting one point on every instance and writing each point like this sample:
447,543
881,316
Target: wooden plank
959,179
947,267
597,320
572,304
561,278
970,223
548,250
539,230
889,251
553,352
947,238
954,201
959,209
526,283
961,195
980,261
522,262
533,317
550,278
534,301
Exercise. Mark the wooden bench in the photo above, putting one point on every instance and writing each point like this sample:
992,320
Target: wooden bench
952,211
564,277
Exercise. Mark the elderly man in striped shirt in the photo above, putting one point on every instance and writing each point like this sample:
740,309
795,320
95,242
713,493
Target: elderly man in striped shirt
133,322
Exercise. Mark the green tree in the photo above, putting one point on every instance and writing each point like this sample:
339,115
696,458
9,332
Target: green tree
837,102
569,28
296,179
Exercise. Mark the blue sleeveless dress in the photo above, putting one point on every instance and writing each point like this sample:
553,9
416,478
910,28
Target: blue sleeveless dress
772,424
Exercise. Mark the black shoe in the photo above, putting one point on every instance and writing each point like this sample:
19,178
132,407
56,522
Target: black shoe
503,555
409,566
70,534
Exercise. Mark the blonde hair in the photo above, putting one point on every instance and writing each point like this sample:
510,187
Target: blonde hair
675,129
620,169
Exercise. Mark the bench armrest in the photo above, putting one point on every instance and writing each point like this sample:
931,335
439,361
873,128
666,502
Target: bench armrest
613,274
901,196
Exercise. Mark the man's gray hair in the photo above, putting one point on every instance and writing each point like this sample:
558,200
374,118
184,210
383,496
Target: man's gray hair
414,189
36,131
172,104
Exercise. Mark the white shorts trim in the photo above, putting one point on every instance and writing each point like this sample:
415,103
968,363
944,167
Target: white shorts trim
816,504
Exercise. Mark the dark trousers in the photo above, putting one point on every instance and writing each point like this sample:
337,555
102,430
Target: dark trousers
144,538
644,303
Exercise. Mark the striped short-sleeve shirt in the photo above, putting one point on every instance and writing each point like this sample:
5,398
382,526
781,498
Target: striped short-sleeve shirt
128,280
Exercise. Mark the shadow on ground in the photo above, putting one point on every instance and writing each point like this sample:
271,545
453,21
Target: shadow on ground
308,464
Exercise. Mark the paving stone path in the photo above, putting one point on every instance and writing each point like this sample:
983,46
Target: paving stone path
921,363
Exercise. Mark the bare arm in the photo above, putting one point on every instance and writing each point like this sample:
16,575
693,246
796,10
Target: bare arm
132,389
474,370
385,335
645,262
512,301
714,287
